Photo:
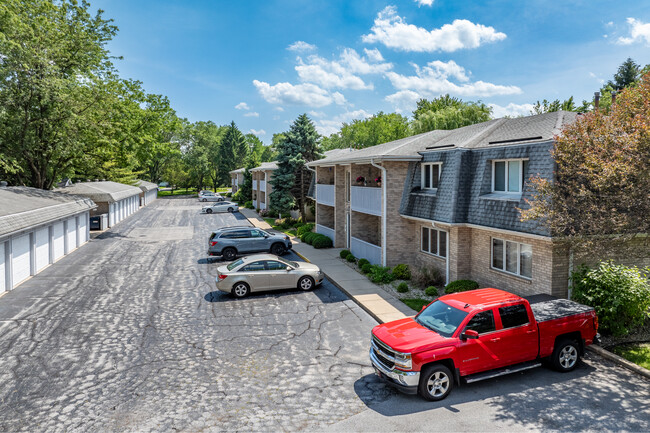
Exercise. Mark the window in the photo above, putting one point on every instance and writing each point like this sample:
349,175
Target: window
434,241
276,266
236,234
254,267
430,175
483,322
512,257
257,234
508,175
514,315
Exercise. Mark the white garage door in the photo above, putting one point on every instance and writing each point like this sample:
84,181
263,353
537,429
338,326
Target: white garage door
2,267
58,240
151,196
20,264
81,233
42,248
111,214
72,234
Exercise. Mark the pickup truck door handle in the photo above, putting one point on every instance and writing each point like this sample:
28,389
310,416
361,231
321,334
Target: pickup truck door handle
532,331
494,340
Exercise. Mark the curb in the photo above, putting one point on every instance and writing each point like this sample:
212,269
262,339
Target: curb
620,361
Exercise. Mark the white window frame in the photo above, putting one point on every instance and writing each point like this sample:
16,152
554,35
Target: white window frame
507,174
422,176
504,258
444,250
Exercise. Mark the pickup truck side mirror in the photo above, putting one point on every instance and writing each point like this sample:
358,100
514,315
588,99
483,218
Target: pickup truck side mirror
422,309
469,334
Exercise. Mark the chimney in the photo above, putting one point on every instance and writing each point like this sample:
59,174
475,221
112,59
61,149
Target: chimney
614,92
596,100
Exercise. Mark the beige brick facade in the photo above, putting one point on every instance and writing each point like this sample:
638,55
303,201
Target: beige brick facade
341,203
400,245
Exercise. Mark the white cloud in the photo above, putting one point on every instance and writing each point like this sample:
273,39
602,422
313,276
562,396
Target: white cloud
279,109
330,126
596,77
434,80
252,114
242,106
639,32
298,94
424,2
301,47
512,110
404,100
373,55
391,30
257,132
314,113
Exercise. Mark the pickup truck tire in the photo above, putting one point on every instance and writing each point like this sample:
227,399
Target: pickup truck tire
240,290
436,382
565,355
229,254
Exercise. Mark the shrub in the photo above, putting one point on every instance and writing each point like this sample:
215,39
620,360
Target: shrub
431,291
305,229
619,294
264,213
344,254
309,237
380,274
249,205
228,194
366,268
303,237
362,262
402,272
425,277
321,241
461,286
350,258
236,196
402,287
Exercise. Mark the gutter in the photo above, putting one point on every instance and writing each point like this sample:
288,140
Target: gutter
383,211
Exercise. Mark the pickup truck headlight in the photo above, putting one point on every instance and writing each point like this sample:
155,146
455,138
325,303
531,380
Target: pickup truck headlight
403,360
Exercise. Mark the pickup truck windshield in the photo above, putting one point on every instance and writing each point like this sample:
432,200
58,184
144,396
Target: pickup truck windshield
441,318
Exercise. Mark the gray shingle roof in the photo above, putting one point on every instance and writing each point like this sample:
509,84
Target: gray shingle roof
239,170
273,165
145,186
22,208
102,192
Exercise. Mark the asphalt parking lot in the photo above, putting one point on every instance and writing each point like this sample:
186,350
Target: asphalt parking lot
128,333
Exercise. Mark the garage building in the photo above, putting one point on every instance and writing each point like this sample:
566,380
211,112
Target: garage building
117,200
149,192
37,228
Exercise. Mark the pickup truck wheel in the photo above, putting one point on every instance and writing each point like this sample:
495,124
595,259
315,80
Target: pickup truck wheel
305,283
240,290
229,254
565,355
436,382
278,249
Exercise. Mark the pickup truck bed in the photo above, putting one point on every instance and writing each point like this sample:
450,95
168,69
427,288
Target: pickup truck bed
546,307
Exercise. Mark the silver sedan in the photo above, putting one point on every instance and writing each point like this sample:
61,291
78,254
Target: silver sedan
263,272
210,196
222,206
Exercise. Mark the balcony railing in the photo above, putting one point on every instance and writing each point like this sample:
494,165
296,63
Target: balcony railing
255,204
365,250
262,205
325,194
330,233
263,185
254,185
365,199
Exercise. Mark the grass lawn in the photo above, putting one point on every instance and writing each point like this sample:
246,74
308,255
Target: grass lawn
180,191
636,353
290,232
416,303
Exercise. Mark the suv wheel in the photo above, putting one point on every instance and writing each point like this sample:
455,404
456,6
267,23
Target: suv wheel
278,249
240,290
229,254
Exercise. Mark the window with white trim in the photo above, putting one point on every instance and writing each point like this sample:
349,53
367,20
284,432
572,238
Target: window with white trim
512,257
434,241
508,175
430,175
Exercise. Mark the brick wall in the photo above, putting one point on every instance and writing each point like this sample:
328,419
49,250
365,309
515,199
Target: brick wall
399,231
325,215
366,227
340,202
426,260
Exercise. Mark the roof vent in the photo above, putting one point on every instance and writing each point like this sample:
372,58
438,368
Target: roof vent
515,140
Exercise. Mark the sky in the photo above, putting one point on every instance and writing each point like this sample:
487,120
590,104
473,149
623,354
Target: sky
263,63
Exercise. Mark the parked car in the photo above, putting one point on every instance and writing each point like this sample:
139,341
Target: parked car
232,242
210,196
263,272
476,335
220,206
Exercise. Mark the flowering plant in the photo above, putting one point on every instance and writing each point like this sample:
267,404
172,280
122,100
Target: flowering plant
361,179
378,179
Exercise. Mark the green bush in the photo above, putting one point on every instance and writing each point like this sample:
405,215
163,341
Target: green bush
619,294
249,205
305,229
402,272
425,277
236,196
362,262
431,291
460,286
309,237
321,241
229,194
350,258
381,274
366,268
402,287
344,254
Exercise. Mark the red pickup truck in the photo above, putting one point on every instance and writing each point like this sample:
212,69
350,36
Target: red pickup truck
478,335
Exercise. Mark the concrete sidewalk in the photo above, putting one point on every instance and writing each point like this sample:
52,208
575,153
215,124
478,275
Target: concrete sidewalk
381,305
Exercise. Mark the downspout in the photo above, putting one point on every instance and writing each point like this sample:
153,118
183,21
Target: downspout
383,210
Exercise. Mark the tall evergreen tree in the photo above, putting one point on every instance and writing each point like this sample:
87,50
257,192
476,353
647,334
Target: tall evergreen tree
232,151
628,73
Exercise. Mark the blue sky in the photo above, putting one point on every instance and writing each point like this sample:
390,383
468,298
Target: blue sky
262,63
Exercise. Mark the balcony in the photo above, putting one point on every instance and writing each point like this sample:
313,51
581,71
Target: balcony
262,205
325,194
365,199
330,233
263,185
254,185
365,250
255,204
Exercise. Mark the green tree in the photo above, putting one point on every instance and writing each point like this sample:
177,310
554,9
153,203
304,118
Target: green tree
556,105
447,112
628,73
232,151
377,129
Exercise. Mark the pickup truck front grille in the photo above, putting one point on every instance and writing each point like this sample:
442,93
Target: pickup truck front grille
383,352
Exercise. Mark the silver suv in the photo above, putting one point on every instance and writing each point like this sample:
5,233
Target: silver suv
229,242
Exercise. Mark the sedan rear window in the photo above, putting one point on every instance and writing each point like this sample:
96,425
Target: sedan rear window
234,264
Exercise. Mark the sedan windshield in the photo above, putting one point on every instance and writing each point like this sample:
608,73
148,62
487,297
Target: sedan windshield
234,264
441,318
288,262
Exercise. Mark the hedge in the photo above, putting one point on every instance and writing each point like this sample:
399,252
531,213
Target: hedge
461,286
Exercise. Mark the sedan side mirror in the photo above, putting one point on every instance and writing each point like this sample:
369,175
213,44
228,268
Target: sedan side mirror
289,268
469,334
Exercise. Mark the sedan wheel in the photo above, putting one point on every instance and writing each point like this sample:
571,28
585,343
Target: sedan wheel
240,290
208,211
230,210
305,283
204,200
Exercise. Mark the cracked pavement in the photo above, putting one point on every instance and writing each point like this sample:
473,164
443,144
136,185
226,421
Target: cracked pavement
128,333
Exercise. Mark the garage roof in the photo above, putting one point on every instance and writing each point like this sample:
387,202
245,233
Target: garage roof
145,186
23,208
102,192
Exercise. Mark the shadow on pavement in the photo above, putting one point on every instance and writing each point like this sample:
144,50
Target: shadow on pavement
109,235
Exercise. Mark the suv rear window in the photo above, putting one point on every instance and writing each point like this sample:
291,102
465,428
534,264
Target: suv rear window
514,315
